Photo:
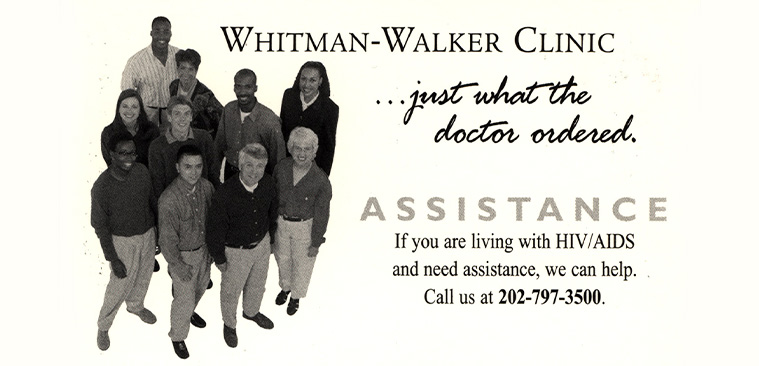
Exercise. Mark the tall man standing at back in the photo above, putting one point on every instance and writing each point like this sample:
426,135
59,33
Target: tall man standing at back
246,121
151,70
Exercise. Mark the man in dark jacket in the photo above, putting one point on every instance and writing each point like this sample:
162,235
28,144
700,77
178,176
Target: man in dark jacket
241,226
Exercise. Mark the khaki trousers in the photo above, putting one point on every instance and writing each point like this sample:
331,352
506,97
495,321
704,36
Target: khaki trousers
138,254
187,294
291,253
246,273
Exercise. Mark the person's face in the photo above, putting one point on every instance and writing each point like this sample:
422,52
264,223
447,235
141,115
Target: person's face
161,34
251,170
124,156
309,82
180,118
187,72
303,153
245,90
129,110
190,167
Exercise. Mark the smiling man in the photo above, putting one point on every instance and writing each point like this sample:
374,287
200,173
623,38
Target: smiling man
123,218
241,225
163,150
245,121
182,227
151,70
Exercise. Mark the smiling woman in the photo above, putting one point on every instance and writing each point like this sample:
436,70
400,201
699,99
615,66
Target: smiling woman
130,117
207,108
308,104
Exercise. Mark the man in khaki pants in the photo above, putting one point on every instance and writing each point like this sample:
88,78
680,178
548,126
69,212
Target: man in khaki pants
182,225
241,225
123,219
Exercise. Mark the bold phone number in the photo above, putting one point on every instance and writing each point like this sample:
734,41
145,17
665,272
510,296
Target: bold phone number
551,296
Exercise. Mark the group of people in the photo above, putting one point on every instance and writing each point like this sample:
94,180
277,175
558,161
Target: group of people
203,183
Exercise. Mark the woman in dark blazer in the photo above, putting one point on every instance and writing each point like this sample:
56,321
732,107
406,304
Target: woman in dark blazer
308,104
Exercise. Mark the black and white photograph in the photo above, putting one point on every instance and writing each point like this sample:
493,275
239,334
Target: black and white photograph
383,183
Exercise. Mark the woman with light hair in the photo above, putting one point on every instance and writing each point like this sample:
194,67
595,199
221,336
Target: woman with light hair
304,195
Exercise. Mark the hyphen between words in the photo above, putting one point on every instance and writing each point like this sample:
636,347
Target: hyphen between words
405,39
497,131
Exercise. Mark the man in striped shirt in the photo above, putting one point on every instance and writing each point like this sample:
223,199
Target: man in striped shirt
151,70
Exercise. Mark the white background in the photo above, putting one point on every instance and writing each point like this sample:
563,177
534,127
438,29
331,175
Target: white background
681,68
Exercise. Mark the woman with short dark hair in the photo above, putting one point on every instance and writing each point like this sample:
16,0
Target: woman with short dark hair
207,108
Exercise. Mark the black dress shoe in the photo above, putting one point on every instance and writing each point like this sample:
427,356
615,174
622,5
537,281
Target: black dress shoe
157,250
181,349
293,306
261,320
156,266
197,321
281,297
210,284
230,336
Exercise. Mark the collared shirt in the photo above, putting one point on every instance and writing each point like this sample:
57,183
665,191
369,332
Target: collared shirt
305,104
307,199
182,217
244,114
122,208
170,138
261,125
163,157
248,188
146,74
238,217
